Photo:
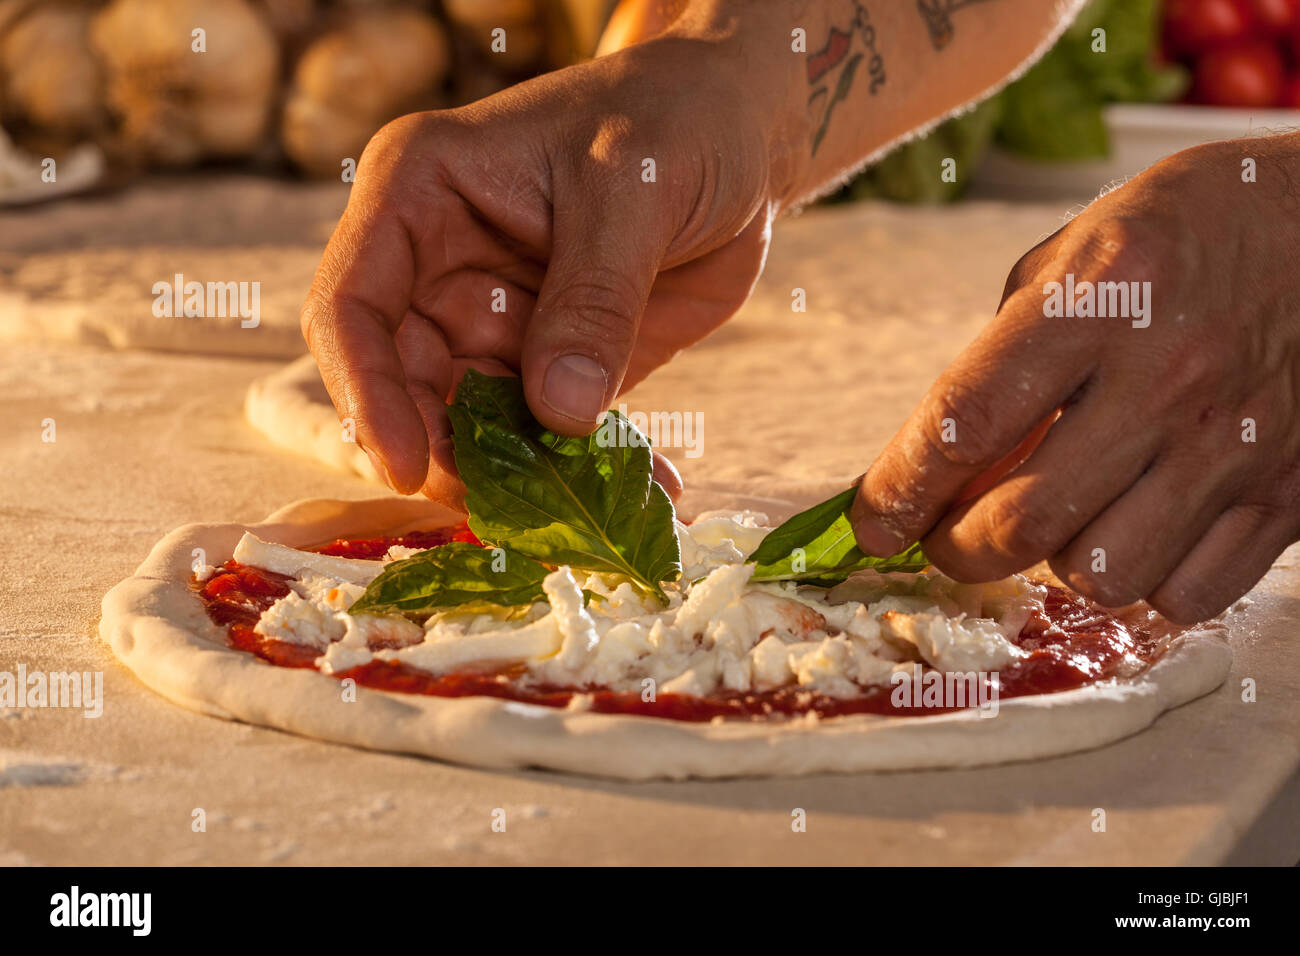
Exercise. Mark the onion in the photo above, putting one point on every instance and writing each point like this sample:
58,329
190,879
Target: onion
376,65
178,106
290,19
521,19
487,14
51,78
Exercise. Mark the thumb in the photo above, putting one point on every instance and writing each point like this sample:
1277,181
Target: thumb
580,338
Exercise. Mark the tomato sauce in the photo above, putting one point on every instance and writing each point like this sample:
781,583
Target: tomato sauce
1072,643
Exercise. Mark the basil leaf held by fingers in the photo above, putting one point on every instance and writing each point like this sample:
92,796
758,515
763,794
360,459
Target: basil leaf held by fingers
817,547
452,575
588,502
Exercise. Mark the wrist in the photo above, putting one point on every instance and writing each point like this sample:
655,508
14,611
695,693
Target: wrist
737,46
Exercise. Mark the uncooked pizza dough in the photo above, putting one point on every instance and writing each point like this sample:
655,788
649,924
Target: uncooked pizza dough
158,627
292,409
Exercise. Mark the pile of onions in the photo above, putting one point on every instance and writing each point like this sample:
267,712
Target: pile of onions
49,76
175,82
374,66
175,104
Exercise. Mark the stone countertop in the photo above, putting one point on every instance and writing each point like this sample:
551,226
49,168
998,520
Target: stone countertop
146,441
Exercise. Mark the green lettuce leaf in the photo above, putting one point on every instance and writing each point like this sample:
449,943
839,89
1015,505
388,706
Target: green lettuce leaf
1054,112
911,172
817,547
452,575
588,502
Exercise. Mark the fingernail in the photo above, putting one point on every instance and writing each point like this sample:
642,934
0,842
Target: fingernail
380,468
575,387
443,454
872,535
876,540
666,473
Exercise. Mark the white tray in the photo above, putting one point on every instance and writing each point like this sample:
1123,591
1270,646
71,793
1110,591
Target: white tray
1140,134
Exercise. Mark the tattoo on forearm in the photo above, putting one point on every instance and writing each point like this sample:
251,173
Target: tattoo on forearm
938,18
832,70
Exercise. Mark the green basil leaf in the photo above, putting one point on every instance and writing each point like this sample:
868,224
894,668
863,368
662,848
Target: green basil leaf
817,547
452,575
588,502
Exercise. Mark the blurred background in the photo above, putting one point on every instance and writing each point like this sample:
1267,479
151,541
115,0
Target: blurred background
110,90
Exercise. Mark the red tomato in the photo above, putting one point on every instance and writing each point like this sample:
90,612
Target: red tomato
1248,75
1195,26
1276,16
1291,93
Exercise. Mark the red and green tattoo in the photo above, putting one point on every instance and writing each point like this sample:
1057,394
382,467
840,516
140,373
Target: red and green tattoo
833,68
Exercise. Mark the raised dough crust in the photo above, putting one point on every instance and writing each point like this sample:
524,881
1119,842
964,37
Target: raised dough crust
159,629
292,409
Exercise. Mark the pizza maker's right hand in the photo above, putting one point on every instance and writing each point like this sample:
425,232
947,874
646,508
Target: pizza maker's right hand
576,230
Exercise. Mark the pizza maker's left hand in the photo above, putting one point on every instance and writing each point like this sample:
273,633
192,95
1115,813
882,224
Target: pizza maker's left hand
1173,471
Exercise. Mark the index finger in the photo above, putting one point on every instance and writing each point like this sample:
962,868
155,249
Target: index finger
360,294
984,405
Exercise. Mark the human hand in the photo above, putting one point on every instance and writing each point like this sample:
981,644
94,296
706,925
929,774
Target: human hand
528,233
1173,472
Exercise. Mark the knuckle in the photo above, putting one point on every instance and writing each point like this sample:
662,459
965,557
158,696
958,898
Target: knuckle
891,497
601,305
318,319
1192,374
611,143
1128,249
972,419
1024,530
394,136
601,153
958,565
383,149
314,321
1021,274
1282,500
1028,266
969,562
1179,605
1107,588
953,560
405,141
308,319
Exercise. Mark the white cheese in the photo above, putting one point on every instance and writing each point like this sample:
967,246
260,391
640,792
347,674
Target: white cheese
723,586
537,640
715,539
579,630
343,656
329,592
297,620
719,631
952,644
770,663
400,553
253,551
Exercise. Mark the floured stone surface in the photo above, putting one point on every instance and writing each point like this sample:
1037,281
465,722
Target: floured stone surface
84,270
794,405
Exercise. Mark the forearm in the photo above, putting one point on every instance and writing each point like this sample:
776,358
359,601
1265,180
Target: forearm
864,73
